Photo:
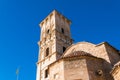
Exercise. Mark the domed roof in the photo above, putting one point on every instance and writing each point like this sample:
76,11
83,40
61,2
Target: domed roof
81,46
77,54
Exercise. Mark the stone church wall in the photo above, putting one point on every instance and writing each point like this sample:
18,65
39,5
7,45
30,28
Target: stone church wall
95,69
75,69
113,55
56,71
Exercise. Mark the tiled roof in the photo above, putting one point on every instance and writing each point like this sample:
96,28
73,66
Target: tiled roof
77,54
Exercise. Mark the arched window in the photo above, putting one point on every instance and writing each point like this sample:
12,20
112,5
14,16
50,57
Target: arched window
62,30
48,31
47,52
46,73
64,49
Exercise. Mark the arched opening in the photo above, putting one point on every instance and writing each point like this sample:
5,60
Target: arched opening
62,30
47,52
64,48
46,73
48,31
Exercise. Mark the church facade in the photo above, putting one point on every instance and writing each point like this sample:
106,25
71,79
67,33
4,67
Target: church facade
60,59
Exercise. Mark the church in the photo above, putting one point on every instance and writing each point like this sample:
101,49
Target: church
60,59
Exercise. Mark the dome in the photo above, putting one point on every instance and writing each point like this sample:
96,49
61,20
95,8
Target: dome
81,47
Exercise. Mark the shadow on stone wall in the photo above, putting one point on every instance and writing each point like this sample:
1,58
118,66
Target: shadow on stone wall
98,69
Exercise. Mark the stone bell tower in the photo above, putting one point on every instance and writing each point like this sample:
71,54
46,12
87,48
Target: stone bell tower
55,38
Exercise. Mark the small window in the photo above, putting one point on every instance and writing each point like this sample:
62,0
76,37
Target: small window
47,52
64,49
48,31
99,72
46,73
62,30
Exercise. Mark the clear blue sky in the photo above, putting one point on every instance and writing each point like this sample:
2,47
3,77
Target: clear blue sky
92,20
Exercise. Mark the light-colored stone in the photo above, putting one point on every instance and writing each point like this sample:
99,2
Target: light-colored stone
95,62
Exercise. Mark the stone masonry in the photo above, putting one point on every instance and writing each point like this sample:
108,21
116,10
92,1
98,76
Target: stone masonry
60,59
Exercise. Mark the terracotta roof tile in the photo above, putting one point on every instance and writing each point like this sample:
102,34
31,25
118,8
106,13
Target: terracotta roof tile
77,54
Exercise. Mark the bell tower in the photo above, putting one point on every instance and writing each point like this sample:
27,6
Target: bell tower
55,38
